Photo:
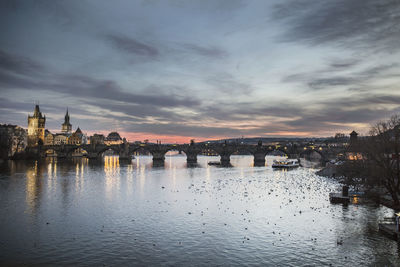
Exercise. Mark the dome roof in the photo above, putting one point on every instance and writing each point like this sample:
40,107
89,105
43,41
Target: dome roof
114,136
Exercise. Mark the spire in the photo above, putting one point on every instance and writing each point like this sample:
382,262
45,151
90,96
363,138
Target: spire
36,113
66,117
66,127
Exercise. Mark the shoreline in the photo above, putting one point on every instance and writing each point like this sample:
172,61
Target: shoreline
330,171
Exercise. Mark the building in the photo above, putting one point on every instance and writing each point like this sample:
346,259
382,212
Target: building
66,127
113,138
13,139
353,150
97,139
77,138
60,139
48,138
36,125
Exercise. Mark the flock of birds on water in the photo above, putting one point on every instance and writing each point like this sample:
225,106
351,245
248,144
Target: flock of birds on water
286,206
245,207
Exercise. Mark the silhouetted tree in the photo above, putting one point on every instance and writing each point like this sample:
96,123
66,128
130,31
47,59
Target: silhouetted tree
380,164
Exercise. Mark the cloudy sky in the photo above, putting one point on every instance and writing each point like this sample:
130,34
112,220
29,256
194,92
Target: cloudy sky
176,70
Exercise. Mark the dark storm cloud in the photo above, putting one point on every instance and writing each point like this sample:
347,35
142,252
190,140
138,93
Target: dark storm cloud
141,112
207,51
328,77
363,99
18,64
354,24
13,105
132,46
92,88
343,64
84,86
334,112
329,82
333,118
108,89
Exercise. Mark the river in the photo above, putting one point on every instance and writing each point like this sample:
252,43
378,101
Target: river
77,212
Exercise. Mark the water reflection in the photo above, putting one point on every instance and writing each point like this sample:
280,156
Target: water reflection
112,175
159,164
81,165
133,213
34,187
52,174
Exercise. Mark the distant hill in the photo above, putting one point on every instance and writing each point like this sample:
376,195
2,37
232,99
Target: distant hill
254,140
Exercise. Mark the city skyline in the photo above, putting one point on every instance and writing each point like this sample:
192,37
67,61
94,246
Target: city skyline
177,70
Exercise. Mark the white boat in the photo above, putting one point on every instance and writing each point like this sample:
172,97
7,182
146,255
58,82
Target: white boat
286,163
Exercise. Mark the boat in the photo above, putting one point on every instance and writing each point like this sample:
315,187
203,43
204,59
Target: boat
390,227
214,163
341,197
286,163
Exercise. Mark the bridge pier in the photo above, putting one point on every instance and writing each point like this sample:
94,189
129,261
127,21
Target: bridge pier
225,151
124,153
61,155
94,155
158,157
225,159
259,159
191,152
158,163
191,157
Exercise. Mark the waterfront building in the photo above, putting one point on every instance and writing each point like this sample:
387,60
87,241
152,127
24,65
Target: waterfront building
48,138
13,139
353,150
36,125
97,139
113,138
66,127
77,138
60,139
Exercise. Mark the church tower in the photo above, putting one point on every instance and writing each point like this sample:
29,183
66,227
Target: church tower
66,126
36,125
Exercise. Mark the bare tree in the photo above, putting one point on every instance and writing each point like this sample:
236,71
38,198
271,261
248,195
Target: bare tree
380,164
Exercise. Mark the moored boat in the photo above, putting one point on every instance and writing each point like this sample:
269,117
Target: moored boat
390,227
286,163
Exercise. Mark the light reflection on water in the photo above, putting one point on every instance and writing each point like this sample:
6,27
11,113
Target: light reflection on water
117,212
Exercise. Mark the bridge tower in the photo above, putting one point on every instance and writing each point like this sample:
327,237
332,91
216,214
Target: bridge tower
36,128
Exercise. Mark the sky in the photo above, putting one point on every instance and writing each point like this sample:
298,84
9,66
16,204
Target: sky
175,70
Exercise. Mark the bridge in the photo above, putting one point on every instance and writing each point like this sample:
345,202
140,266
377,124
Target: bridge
224,150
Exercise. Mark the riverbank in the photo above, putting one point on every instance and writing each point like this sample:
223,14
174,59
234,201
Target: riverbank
377,194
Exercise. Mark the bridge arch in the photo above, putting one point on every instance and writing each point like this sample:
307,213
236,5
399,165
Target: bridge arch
115,148
278,152
312,155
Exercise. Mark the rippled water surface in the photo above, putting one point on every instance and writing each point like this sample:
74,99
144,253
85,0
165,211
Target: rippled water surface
82,213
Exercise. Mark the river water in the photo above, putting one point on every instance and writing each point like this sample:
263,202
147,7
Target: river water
78,212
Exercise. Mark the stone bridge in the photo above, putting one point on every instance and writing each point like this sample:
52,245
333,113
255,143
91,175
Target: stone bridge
158,151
